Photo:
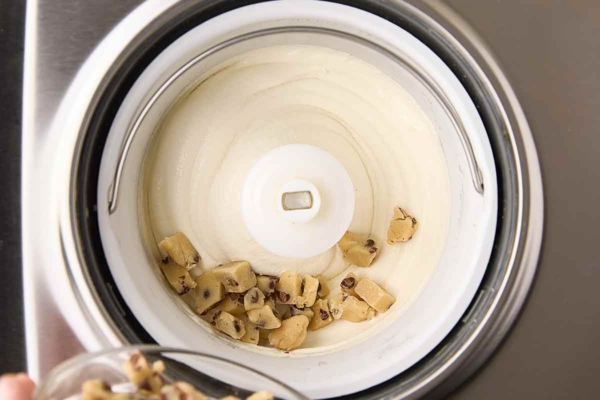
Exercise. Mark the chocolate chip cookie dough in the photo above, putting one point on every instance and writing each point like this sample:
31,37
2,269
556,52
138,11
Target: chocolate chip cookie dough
282,95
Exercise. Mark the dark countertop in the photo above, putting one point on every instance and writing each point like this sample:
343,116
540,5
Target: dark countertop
12,340
550,50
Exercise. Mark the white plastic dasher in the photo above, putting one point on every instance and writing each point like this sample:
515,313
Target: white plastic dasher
297,201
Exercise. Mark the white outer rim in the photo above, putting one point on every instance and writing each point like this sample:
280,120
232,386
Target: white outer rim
408,349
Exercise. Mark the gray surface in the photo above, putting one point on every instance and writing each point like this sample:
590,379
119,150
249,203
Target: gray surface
74,24
11,308
550,51
59,38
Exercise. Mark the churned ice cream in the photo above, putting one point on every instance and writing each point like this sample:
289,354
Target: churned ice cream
281,95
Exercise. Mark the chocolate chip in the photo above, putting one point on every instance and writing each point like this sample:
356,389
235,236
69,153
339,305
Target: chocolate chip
134,361
197,258
370,243
348,282
254,298
105,386
324,314
237,327
206,293
165,260
284,297
181,393
272,284
145,385
184,288
237,297
232,282
373,250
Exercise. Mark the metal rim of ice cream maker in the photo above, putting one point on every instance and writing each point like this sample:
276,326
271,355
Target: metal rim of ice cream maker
518,237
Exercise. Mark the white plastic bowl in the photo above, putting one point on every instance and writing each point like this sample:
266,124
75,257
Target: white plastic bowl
360,363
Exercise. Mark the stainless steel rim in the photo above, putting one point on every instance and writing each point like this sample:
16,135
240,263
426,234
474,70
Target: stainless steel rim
505,287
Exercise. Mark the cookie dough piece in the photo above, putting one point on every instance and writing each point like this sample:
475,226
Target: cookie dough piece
209,291
278,309
96,389
263,334
237,276
233,303
323,287
229,324
266,283
211,316
281,309
310,288
262,395
322,316
355,310
179,278
402,227
181,250
252,334
270,300
254,298
265,317
289,287
349,283
291,334
357,250
350,308
374,295
336,305
307,312
144,376
181,391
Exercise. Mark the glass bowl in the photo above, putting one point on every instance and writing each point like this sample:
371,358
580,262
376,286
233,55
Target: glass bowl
65,380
